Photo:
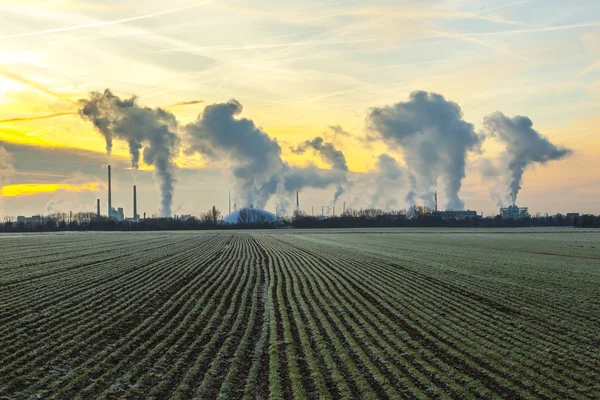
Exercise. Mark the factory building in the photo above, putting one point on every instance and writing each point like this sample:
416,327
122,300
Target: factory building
460,215
514,212
118,214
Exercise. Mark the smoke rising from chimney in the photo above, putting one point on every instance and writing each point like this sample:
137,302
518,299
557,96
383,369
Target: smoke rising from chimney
260,172
524,146
329,154
151,131
388,178
435,140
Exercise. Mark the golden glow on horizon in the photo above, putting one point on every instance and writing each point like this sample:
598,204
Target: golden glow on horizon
31,189
299,68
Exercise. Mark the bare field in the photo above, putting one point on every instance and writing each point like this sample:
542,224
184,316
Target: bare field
385,313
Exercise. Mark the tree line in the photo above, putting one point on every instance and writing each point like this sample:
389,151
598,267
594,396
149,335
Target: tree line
212,219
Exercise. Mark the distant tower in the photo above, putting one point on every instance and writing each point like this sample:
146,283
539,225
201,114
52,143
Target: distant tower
436,207
344,207
229,201
98,208
109,195
297,201
334,211
135,214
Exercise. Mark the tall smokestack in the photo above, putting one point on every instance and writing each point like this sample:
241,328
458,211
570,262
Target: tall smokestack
135,216
436,208
229,201
98,208
109,195
297,201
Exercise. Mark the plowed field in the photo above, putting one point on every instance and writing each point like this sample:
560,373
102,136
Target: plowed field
355,314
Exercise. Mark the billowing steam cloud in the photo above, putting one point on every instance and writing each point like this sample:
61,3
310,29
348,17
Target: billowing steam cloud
152,130
329,154
524,146
435,140
388,178
255,157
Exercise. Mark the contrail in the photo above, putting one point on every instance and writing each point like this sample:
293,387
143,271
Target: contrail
534,30
23,119
105,23
586,71
19,78
469,38
266,46
520,3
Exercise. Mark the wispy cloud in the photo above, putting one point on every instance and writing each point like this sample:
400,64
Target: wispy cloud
36,85
533,30
26,119
505,6
106,23
467,38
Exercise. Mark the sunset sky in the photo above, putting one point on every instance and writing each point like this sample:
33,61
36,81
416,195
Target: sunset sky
297,68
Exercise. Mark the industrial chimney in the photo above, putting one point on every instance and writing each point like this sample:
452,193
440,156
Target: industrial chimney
297,201
98,208
135,215
109,196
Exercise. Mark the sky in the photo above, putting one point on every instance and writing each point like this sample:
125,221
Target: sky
283,73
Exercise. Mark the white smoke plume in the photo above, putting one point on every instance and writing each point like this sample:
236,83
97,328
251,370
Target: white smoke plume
218,133
151,131
329,154
388,178
524,146
435,140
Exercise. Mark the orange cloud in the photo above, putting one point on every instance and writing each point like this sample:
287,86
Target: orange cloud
30,189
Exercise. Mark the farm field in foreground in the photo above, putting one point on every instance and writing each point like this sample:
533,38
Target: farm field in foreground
318,314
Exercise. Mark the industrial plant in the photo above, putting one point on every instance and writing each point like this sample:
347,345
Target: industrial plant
254,215
117,214
514,212
325,217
